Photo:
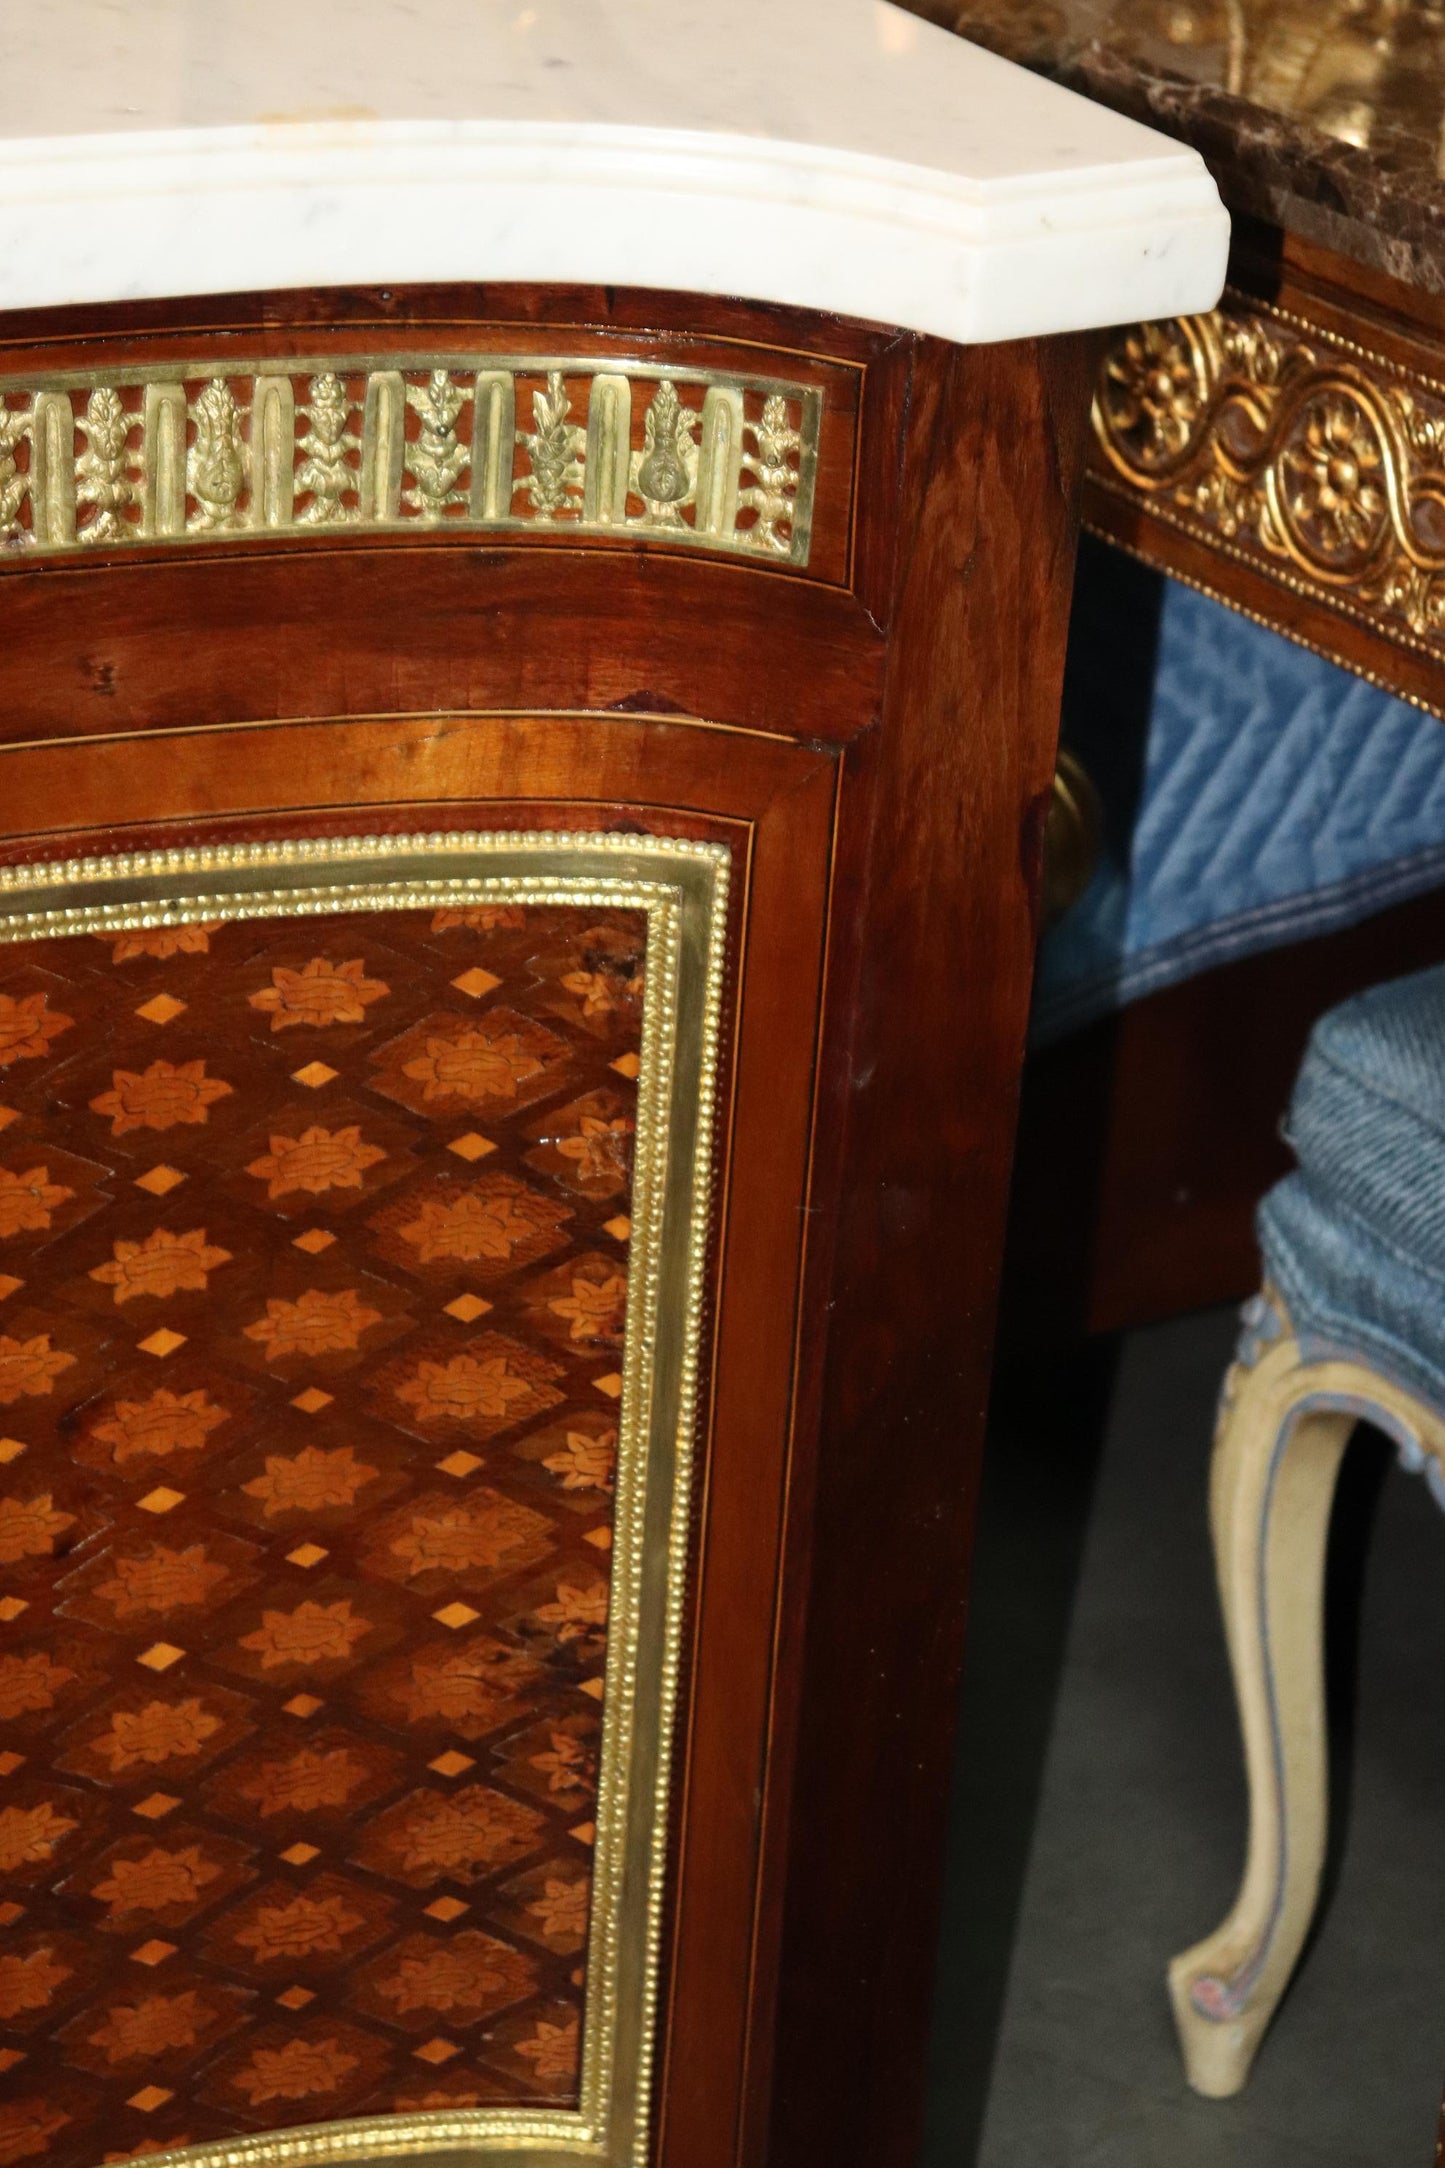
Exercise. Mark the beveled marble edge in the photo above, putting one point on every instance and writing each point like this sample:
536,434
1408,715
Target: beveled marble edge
840,155
409,204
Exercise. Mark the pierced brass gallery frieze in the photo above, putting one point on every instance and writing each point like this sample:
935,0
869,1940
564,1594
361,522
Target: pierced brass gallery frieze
1279,444
351,444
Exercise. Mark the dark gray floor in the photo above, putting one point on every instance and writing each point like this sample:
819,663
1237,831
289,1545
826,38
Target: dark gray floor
1099,1813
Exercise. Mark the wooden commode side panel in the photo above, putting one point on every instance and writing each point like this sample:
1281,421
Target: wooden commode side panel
540,791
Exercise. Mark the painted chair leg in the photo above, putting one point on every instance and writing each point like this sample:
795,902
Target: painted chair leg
1276,1460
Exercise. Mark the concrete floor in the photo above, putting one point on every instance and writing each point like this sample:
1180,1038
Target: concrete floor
1099,1810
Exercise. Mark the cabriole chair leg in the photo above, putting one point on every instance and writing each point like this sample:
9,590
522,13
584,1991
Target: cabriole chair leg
1276,1459
1284,1424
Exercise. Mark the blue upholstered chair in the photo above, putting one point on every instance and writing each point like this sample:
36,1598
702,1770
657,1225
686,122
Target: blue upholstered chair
1350,1327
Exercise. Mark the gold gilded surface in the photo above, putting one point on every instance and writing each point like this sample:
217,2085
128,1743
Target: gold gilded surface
179,454
1290,448
682,889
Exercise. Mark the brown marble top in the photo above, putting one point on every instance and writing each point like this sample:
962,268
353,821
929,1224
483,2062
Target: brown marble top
1326,117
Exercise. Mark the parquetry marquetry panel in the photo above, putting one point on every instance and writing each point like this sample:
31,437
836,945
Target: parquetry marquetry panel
313,1254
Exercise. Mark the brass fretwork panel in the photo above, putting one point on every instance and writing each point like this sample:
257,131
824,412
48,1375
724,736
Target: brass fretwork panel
350,445
351,1211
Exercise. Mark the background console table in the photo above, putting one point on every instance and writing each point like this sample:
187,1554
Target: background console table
523,783
1285,453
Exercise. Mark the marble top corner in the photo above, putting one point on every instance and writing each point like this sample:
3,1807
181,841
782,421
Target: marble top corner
833,154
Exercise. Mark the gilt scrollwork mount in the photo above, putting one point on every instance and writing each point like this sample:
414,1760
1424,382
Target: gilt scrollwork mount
1291,449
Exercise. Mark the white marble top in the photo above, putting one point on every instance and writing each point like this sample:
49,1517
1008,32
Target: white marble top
838,154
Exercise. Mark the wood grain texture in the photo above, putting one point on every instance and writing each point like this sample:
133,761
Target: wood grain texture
939,881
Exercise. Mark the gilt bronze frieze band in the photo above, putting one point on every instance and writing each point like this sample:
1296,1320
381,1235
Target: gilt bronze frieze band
452,443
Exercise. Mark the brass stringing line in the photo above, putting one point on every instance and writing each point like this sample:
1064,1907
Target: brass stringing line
742,343
148,733
638,1347
562,2131
630,1502
698,1231
228,465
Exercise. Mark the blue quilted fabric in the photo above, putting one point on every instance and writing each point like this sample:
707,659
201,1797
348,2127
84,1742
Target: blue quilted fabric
1254,794
1367,1119
1355,1240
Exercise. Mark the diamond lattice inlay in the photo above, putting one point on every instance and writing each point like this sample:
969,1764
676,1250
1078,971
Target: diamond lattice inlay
149,2098
475,982
155,1805
456,1615
160,1656
161,1500
467,1308
460,1463
153,1953
160,1180
314,1241
163,1009
471,1146
451,1764
162,1342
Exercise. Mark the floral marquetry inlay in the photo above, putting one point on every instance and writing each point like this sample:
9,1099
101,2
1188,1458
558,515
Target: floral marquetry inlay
1291,448
315,1236
449,443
